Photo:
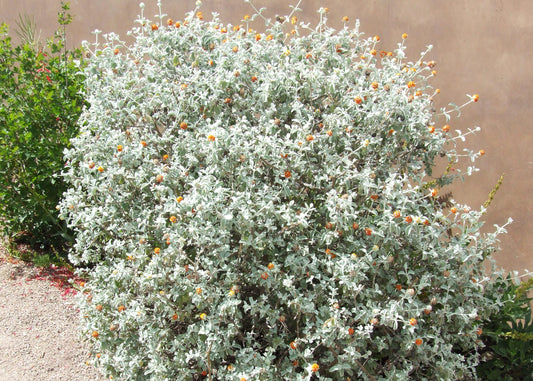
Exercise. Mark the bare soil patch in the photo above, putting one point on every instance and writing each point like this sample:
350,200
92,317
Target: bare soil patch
39,325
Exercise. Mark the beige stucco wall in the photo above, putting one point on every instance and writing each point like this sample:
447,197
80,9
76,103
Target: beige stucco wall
482,47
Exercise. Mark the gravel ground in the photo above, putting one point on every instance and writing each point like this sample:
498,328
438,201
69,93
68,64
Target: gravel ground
38,327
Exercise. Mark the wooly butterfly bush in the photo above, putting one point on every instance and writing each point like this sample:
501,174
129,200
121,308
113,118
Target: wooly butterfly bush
260,206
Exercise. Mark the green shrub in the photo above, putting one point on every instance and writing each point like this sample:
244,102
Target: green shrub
508,334
40,104
261,206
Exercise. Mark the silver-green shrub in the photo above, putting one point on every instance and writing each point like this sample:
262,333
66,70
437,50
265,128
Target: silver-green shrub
261,206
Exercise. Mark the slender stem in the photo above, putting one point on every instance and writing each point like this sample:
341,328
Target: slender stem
160,13
295,9
372,378
209,361
457,108
258,12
